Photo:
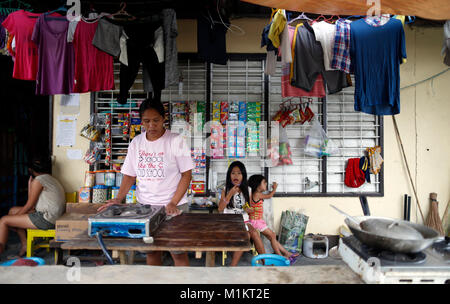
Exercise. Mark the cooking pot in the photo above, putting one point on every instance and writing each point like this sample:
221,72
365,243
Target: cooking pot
391,243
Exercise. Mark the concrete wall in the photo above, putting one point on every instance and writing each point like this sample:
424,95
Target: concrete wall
423,122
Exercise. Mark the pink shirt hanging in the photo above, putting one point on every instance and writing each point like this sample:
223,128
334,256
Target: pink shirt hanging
94,69
20,24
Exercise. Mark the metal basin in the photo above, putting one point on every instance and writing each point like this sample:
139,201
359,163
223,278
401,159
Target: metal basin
392,243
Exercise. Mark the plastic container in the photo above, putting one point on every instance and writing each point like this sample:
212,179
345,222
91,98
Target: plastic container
84,196
89,179
119,177
39,261
100,177
131,195
110,178
99,194
114,192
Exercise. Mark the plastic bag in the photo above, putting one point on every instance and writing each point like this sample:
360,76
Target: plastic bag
90,131
285,149
93,154
317,143
292,230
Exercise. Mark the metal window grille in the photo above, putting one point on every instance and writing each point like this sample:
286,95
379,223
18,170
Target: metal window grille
240,80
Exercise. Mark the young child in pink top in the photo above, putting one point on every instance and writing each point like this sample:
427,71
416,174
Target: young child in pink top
255,210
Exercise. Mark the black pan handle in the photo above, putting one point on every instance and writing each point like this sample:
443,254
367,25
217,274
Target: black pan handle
364,205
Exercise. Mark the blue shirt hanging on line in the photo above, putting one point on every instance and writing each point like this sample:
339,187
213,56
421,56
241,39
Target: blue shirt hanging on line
376,54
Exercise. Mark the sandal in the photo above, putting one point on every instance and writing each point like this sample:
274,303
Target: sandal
293,258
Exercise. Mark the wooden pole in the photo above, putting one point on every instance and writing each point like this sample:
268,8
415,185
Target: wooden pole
397,133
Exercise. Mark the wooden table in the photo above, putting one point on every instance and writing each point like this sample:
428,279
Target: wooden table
187,232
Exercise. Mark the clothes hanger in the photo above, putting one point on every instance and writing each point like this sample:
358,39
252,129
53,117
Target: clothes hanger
330,20
317,19
62,8
123,12
411,19
302,16
274,10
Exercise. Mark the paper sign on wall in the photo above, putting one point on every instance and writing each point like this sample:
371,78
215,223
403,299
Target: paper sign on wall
70,104
66,130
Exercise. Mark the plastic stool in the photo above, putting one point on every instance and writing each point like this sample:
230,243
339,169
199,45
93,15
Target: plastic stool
270,260
38,233
71,197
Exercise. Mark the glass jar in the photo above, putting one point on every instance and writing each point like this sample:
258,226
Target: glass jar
89,179
131,195
84,196
119,177
110,178
100,177
99,194
114,192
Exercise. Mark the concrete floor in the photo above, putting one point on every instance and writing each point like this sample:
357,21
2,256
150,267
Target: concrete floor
96,258
95,269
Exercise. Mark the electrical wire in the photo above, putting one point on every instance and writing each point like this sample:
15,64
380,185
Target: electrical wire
102,245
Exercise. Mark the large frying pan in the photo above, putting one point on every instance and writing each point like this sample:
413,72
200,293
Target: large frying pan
398,239
390,243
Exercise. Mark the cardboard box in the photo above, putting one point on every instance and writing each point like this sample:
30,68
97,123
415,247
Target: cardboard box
72,226
74,223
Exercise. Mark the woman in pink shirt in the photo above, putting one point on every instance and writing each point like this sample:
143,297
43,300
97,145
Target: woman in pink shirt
160,164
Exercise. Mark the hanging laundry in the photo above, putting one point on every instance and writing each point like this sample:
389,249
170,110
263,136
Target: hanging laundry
55,72
110,38
158,44
287,90
170,32
446,45
354,176
286,44
170,28
140,50
3,38
9,48
107,37
308,63
376,54
271,51
123,57
20,24
71,30
341,50
265,41
276,28
402,19
211,37
364,165
271,63
375,159
94,69
325,33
